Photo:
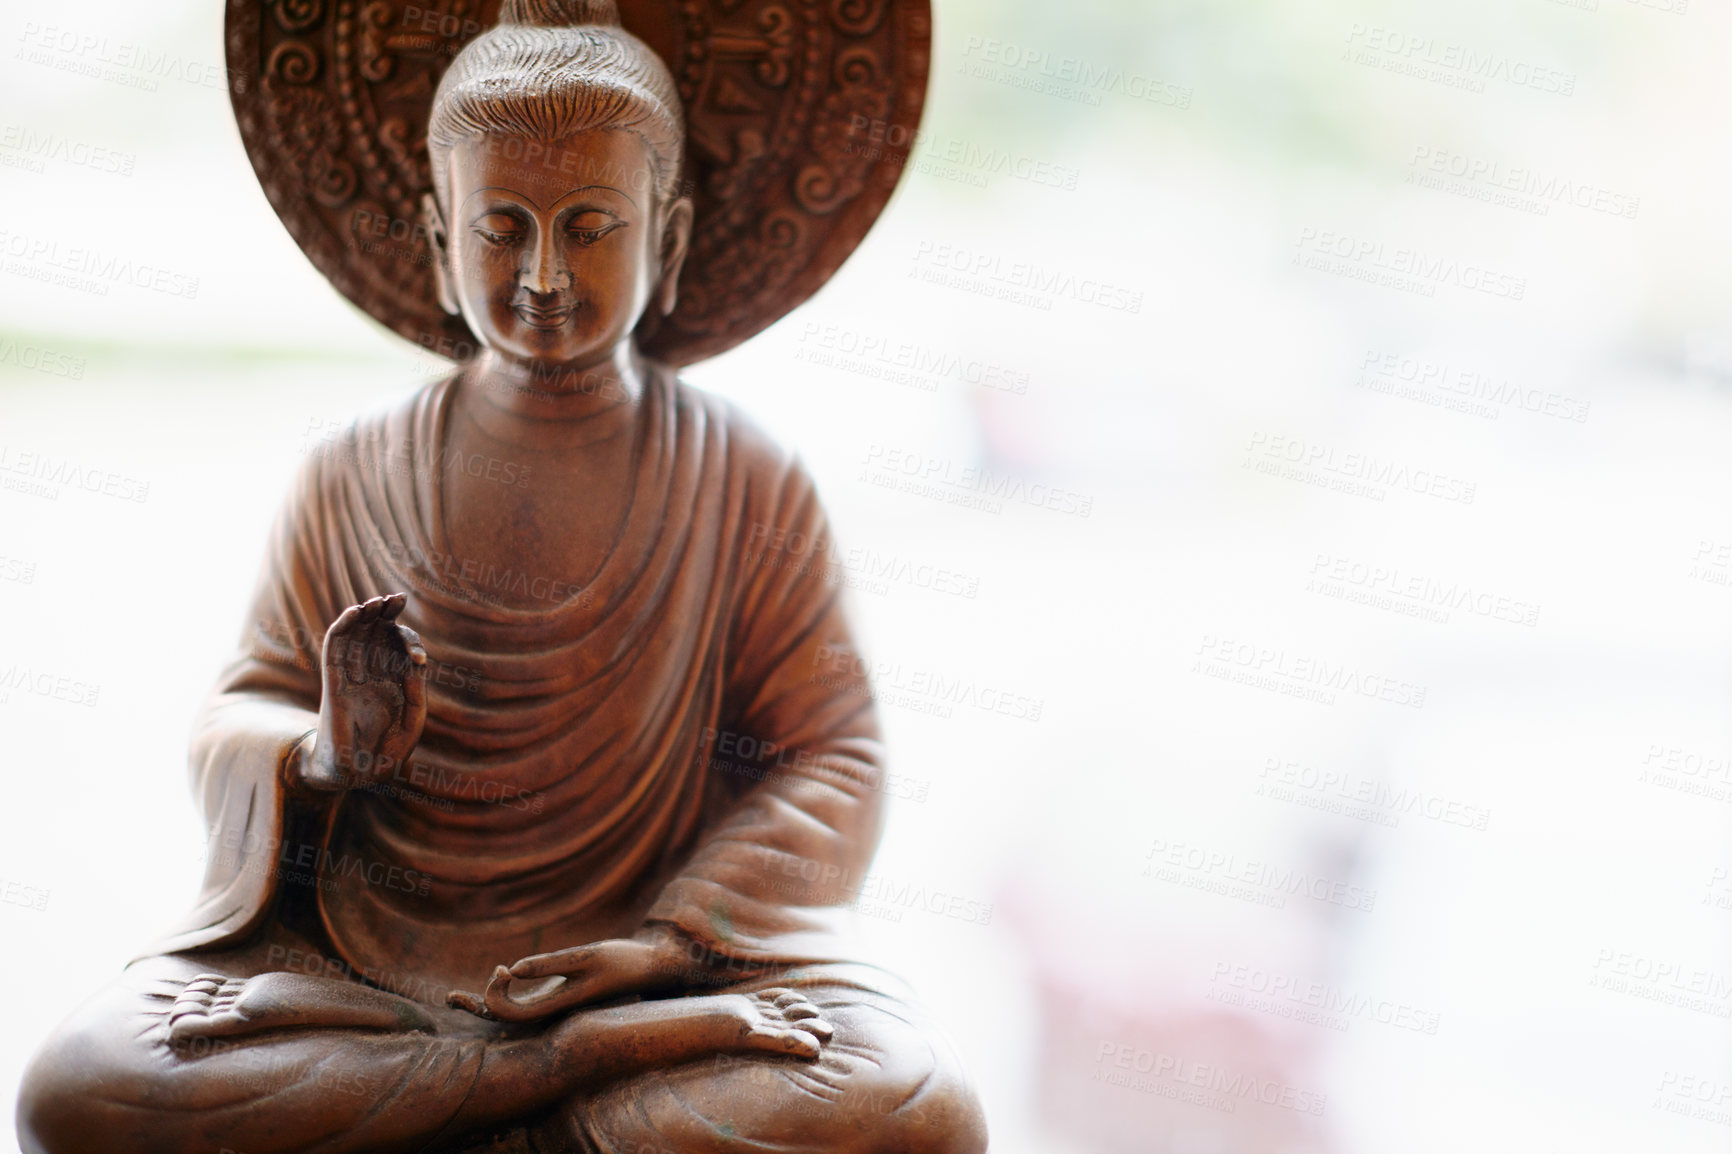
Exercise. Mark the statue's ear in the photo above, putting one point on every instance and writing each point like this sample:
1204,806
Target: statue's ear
676,239
439,242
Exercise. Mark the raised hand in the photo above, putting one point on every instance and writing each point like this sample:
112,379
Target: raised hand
374,703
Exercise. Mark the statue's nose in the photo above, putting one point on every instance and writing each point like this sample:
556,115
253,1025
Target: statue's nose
546,271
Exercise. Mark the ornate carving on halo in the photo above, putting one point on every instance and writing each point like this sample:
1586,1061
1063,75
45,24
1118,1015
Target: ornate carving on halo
777,24
304,133
294,62
409,156
298,15
845,153
333,181
744,265
782,99
859,17
749,148
376,62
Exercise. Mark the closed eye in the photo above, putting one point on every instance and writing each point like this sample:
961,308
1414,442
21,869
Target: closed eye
499,229
591,225
591,235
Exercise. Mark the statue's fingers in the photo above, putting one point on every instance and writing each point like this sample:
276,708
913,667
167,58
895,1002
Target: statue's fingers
509,1009
394,604
368,612
414,679
561,962
343,624
412,646
387,659
463,1000
410,655
567,995
496,996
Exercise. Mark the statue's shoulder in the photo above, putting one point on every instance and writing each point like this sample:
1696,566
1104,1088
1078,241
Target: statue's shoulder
373,443
749,446
391,416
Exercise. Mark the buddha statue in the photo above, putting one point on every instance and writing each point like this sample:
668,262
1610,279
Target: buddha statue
536,799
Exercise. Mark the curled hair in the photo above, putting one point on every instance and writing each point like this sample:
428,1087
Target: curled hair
552,68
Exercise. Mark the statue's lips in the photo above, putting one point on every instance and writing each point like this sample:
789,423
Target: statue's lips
543,318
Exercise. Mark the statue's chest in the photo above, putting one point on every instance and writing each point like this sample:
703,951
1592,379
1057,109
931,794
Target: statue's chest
534,527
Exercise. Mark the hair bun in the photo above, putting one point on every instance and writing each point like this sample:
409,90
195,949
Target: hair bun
558,13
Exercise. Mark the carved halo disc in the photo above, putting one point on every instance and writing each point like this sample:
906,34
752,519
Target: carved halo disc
799,117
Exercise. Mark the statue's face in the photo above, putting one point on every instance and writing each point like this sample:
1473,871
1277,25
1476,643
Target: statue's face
552,252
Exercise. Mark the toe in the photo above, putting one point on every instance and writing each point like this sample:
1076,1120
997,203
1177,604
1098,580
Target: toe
781,1040
190,1003
818,1028
802,1045
186,1027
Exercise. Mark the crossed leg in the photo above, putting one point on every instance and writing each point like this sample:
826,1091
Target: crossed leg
191,1053
886,1083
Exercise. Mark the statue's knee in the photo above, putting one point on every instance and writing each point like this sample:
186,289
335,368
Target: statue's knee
83,1089
943,1118
56,1097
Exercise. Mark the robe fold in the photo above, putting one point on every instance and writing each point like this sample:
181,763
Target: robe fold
686,739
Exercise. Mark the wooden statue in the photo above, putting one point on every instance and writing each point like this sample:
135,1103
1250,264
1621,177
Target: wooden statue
537,792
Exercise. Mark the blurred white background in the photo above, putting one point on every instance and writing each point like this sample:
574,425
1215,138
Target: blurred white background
1380,793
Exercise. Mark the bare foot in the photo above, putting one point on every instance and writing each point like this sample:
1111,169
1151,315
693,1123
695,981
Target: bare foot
777,1020
647,1035
214,1006
588,1048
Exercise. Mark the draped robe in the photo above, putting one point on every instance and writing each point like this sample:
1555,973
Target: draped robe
687,740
